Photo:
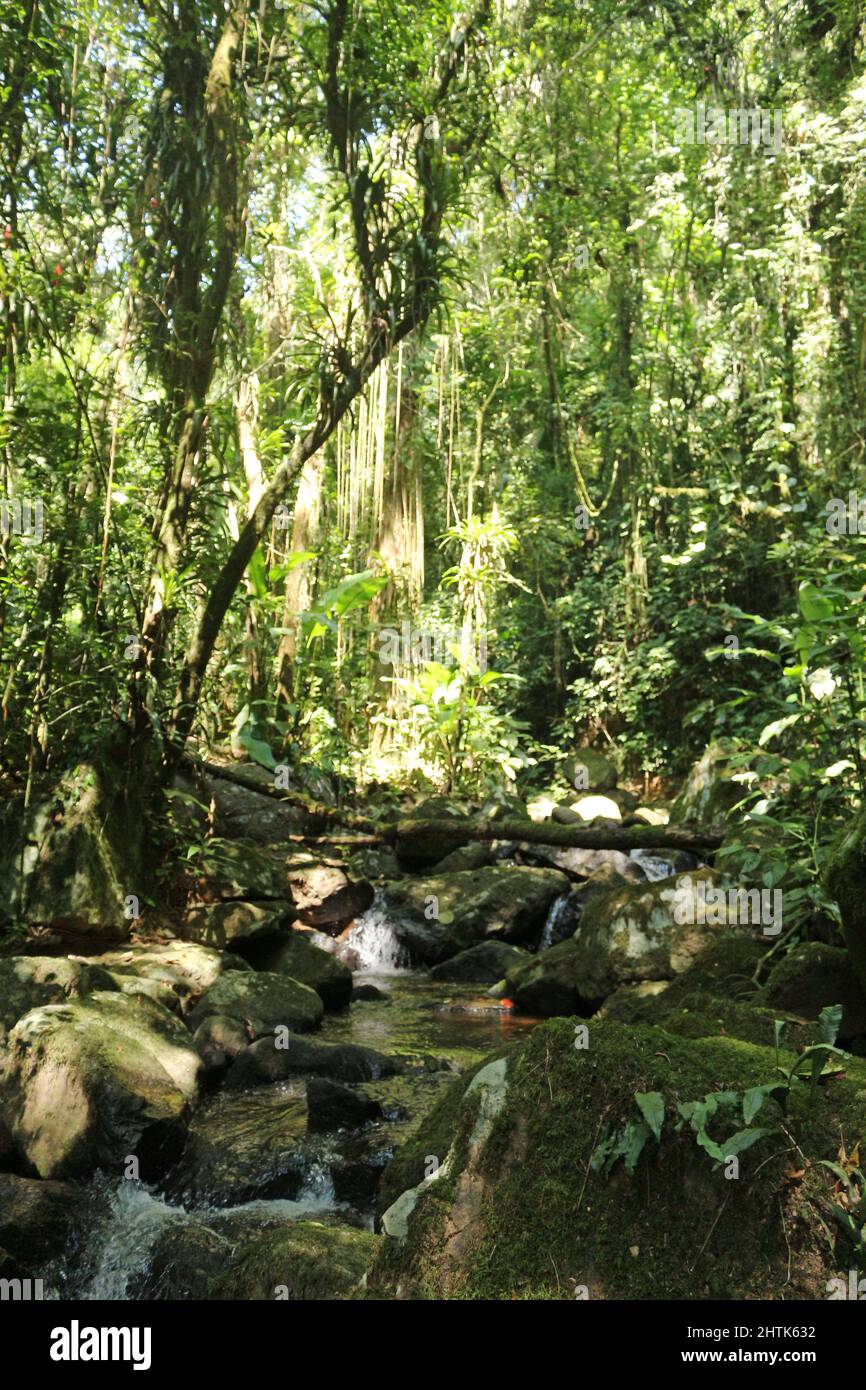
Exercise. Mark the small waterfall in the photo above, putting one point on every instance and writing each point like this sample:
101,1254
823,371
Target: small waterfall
557,908
121,1247
374,941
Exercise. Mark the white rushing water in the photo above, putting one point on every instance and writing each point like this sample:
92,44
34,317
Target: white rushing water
374,941
121,1245
553,916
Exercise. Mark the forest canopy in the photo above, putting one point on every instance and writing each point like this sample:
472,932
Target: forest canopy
414,391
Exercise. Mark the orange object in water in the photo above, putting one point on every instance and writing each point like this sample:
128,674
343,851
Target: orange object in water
506,1004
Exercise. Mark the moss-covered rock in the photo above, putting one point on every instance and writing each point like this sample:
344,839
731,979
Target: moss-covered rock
241,1146
811,977
483,964
28,981
186,967
440,915
302,1261
292,954
86,1083
699,1015
541,1209
227,924
709,791
38,1219
261,1000
643,932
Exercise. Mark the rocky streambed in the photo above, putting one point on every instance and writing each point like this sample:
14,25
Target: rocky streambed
333,1076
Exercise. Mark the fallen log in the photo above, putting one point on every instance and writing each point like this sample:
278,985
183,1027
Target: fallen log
416,840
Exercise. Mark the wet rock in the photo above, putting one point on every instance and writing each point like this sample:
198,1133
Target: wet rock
323,894
262,1001
504,903
366,994
553,982
241,1147
295,955
264,1062
225,924
86,1083
301,1262
219,1039
28,981
38,1219
333,1106
485,963
186,1258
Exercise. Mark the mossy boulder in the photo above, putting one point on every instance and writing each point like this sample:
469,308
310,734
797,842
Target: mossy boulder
696,1014
38,1219
811,977
483,964
86,1083
262,1000
440,915
709,792
303,1261
292,954
224,925
29,981
186,967
541,1207
73,861
643,932
551,983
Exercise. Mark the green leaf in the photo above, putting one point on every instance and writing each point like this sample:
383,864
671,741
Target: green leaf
829,1021
652,1107
814,606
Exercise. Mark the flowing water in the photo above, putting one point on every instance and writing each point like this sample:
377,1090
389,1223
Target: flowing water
136,1231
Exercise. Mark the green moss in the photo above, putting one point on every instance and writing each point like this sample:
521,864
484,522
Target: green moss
303,1260
433,1136
699,1015
530,1218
